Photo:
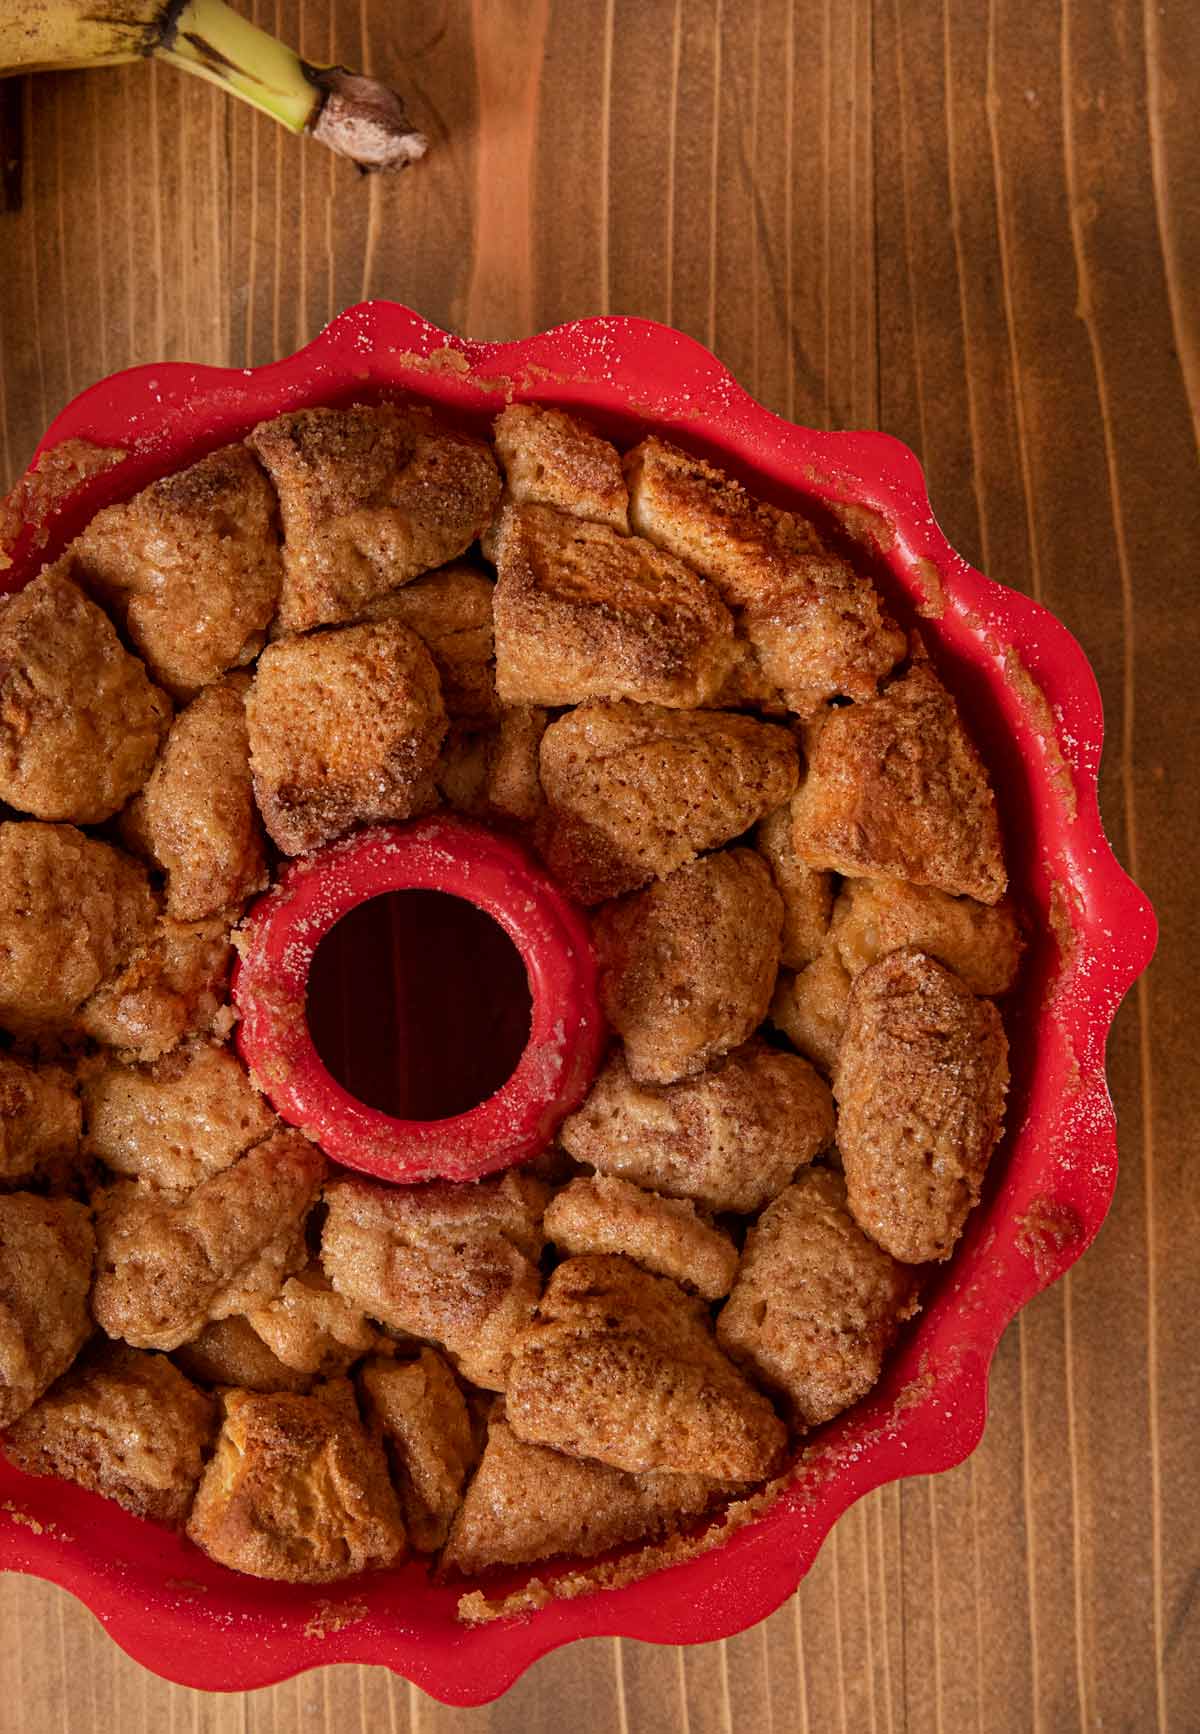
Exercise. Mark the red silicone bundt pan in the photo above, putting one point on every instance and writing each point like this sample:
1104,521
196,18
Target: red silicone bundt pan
1032,702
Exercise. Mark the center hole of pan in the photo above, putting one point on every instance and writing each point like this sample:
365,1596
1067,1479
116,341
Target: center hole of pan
418,1004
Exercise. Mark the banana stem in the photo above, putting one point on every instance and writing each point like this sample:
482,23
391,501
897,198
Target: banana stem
355,116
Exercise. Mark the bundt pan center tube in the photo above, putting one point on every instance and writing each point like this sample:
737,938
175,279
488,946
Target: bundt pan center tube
279,940
1031,703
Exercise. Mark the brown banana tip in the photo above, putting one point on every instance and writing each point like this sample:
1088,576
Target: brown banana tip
365,121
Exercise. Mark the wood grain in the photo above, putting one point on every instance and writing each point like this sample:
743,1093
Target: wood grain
975,224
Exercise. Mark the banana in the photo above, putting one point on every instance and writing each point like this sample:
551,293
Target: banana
355,116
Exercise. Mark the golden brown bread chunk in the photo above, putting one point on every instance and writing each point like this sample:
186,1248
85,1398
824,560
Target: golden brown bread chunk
599,1213
810,1007
896,790
174,985
875,916
623,1366
297,1490
176,1122
121,1423
453,1263
71,911
551,458
196,818
80,724
231,1352
46,1247
816,626
40,1120
495,773
816,1305
528,1503
166,1264
581,612
921,1078
634,791
190,567
807,893
345,728
730,1138
451,613
312,1328
370,496
687,967
419,1409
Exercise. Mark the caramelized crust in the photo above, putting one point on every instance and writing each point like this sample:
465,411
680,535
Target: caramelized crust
687,967
370,497
311,1328
71,911
80,724
231,1352
177,1122
40,1119
921,1077
453,1263
297,1490
810,1007
550,458
807,893
816,626
166,1265
174,985
46,1247
635,791
875,916
584,613
124,1424
451,613
190,567
599,1213
622,1366
730,1138
196,819
895,790
422,1415
345,728
495,773
816,1304
528,1503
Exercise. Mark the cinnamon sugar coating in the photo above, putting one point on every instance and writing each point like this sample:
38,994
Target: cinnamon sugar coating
584,613
80,722
816,626
896,790
196,819
297,1490
921,1078
345,728
634,791
370,497
622,1366
816,1305
123,1424
551,458
72,910
168,1263
731,1137
453,1263
46,1249
687,967
527,1502
422,1415
190,568
600,1213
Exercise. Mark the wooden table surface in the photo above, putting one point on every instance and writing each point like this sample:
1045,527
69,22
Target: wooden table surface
976,225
